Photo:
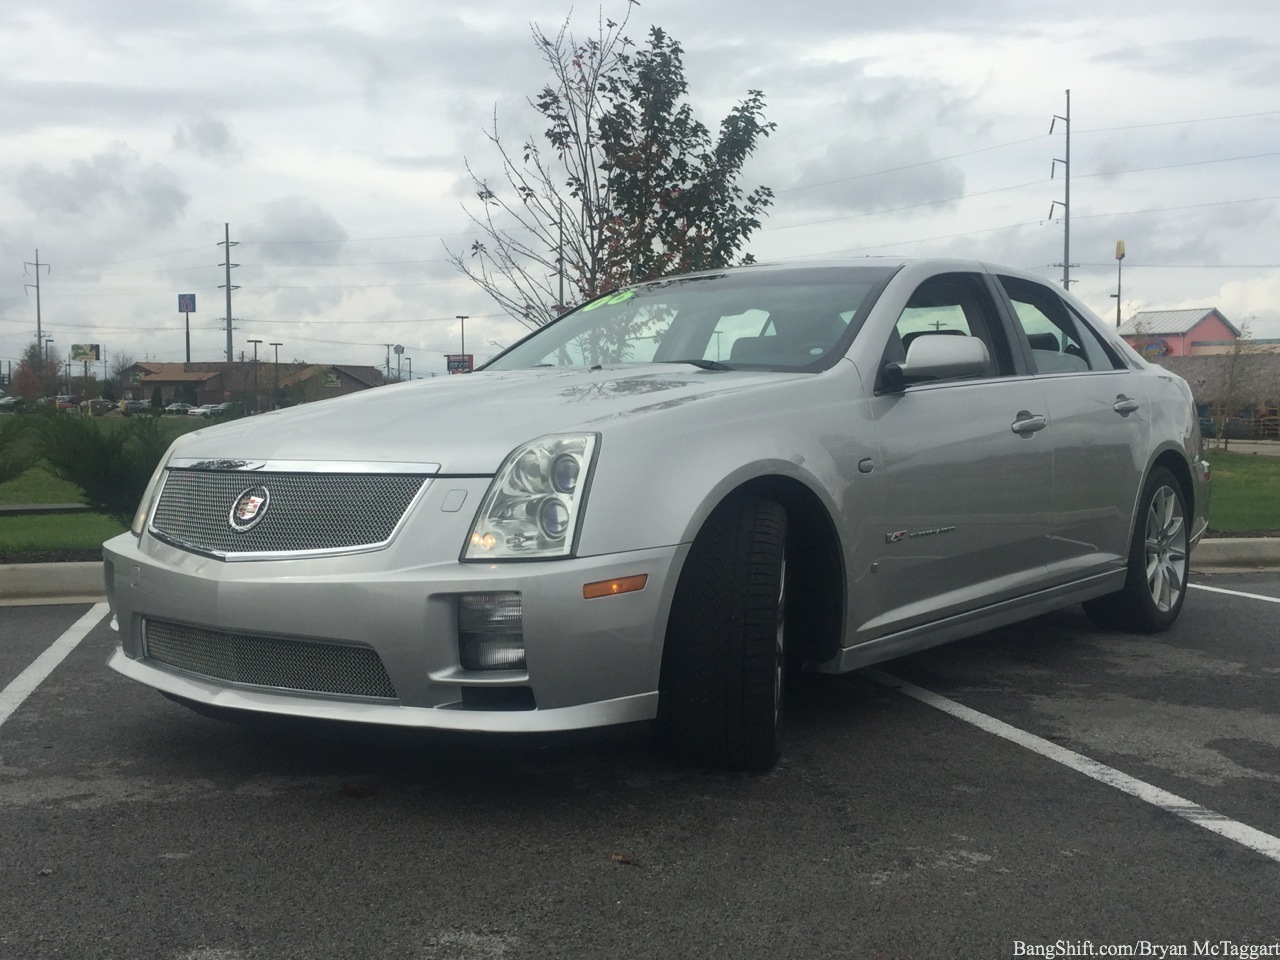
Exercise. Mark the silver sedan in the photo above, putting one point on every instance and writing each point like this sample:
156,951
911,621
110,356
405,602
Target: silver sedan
652,508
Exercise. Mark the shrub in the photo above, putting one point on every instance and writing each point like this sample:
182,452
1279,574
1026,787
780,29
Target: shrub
15,457
112,467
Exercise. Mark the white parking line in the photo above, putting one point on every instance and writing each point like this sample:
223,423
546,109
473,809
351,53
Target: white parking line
1243,834
22,686
1234,593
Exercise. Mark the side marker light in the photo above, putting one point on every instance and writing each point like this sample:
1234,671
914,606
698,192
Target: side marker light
611,588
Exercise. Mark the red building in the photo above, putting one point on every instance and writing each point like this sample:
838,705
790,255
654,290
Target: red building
1179,333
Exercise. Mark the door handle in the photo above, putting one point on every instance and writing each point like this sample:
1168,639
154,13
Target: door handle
1029,422
1124,405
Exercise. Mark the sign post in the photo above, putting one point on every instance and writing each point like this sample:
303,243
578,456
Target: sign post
86,353
187,306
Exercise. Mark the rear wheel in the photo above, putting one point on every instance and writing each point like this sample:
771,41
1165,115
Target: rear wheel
723,666
1156,583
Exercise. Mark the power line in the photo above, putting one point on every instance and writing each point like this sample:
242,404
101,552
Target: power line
1173,166
910,206
1178,123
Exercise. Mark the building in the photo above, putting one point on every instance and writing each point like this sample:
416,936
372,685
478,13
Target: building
216,382
1179,333
320,381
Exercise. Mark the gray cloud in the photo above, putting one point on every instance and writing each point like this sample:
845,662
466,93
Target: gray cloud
296,230
114,182
207,138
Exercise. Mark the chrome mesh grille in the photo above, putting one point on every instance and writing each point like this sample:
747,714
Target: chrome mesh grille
303,665
307,511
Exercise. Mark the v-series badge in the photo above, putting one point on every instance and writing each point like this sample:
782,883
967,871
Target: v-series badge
900,535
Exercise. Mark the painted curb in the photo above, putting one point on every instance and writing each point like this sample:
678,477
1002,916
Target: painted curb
51,581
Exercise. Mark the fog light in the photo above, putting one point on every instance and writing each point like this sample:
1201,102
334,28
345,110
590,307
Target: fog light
491,631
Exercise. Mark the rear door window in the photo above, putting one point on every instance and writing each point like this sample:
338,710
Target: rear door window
1059,340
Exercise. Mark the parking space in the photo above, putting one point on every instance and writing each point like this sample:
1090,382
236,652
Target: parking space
135,828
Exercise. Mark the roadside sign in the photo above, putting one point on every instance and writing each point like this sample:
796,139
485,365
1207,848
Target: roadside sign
458,362
186,303
86,352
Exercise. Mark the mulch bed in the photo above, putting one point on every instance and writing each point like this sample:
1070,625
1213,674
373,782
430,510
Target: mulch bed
53,556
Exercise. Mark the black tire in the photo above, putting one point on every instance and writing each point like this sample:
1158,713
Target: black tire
723,664
1156,582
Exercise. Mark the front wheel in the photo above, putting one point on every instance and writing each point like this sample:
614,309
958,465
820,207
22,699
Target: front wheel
723,664
1156,582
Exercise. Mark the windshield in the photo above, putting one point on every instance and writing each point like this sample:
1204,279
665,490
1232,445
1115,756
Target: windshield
801,319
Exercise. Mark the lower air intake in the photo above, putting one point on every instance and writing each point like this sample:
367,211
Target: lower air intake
334,669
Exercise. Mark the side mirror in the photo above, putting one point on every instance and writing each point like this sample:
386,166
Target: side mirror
938,357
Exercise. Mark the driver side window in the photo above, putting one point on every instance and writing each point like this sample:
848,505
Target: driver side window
955,305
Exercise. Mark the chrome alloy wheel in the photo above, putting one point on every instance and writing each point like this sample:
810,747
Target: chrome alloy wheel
1166,549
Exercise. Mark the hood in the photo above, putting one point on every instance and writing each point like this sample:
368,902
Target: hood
469,423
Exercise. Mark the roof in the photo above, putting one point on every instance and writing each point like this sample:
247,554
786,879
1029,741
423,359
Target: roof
369,376
1248,377
1159,322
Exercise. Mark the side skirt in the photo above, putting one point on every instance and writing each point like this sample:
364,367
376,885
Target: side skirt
972,622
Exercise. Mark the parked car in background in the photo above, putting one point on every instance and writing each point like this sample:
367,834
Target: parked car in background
654,506
204,410
181,409
129,407
67,402
11,404
101,407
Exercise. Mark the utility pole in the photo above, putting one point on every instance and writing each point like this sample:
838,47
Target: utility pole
257,405
37,265
228,264
1065,202
275,388
388,367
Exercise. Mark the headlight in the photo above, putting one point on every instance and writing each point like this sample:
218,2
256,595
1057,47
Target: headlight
532,508
143,512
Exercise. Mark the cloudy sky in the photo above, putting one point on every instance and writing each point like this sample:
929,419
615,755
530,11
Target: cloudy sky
332,136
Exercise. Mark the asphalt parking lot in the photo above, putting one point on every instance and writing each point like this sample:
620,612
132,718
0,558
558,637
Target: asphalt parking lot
1041,788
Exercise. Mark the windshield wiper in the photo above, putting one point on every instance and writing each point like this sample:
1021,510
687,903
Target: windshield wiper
704,364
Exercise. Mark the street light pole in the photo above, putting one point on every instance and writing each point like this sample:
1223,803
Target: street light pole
275,389
256,404
410,361
1119,267
462,319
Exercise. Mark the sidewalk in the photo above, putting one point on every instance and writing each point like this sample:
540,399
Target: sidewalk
35,583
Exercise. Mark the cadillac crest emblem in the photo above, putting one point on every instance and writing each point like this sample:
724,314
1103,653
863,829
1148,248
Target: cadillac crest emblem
249,509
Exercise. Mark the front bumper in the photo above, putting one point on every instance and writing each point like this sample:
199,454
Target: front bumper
589,663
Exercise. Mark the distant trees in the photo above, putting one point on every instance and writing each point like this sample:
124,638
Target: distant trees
631,186
35,376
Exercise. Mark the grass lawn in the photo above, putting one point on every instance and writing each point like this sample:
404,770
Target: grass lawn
1246,492
57,533
38,485
1246,497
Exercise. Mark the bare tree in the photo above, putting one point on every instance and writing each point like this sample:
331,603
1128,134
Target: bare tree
121,364
1232,396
